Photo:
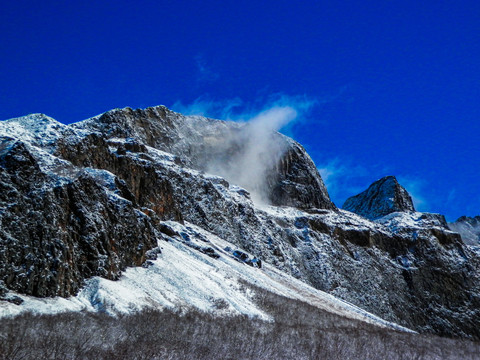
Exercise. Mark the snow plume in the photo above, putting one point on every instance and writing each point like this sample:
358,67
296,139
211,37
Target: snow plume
257,150
204,106
235,109
248,153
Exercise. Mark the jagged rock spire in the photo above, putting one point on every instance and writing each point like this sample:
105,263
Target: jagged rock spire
383,197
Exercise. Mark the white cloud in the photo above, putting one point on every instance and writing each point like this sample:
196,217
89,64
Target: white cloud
236,109
204,106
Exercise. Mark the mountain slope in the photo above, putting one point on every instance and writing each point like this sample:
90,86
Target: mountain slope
95,197
468,228
186,274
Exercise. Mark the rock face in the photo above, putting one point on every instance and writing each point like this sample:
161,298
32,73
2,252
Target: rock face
383,197
55,233
224,148
95,197
468,228
297,182
83,200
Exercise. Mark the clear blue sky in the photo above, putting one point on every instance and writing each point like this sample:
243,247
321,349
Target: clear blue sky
395,84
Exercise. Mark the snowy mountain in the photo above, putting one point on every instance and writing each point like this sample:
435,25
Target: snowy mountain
468,228
383,197
150,208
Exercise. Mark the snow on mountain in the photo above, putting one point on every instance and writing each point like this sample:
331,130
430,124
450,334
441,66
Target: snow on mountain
36,129
84,207
185,277
383,197
412,220
468,228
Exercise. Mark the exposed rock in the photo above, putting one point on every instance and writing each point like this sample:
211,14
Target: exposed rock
297,182
94,197
217,147
55,233
383,197
3,289
244,257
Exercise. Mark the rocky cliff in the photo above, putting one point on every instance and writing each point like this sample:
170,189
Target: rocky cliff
92,198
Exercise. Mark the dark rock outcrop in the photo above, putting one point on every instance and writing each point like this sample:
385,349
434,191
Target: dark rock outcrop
54,234
383,197
297,182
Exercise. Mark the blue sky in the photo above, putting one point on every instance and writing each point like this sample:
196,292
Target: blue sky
385,87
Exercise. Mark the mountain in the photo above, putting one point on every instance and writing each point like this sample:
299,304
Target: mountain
468,228
138,208
383,197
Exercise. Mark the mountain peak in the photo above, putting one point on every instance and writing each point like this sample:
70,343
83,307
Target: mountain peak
35,129
383,197
272,167
469,228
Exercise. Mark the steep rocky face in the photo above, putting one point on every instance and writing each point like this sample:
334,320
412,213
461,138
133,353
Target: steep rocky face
92,198
96,190
297,182
468,228
56,232
383,197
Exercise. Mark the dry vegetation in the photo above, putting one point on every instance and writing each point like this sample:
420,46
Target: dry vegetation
299,332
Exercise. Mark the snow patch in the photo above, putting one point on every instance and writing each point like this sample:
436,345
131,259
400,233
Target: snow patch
183,277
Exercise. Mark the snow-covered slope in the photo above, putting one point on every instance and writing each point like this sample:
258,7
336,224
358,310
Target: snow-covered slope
469,228
184,277
35,129
83,207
